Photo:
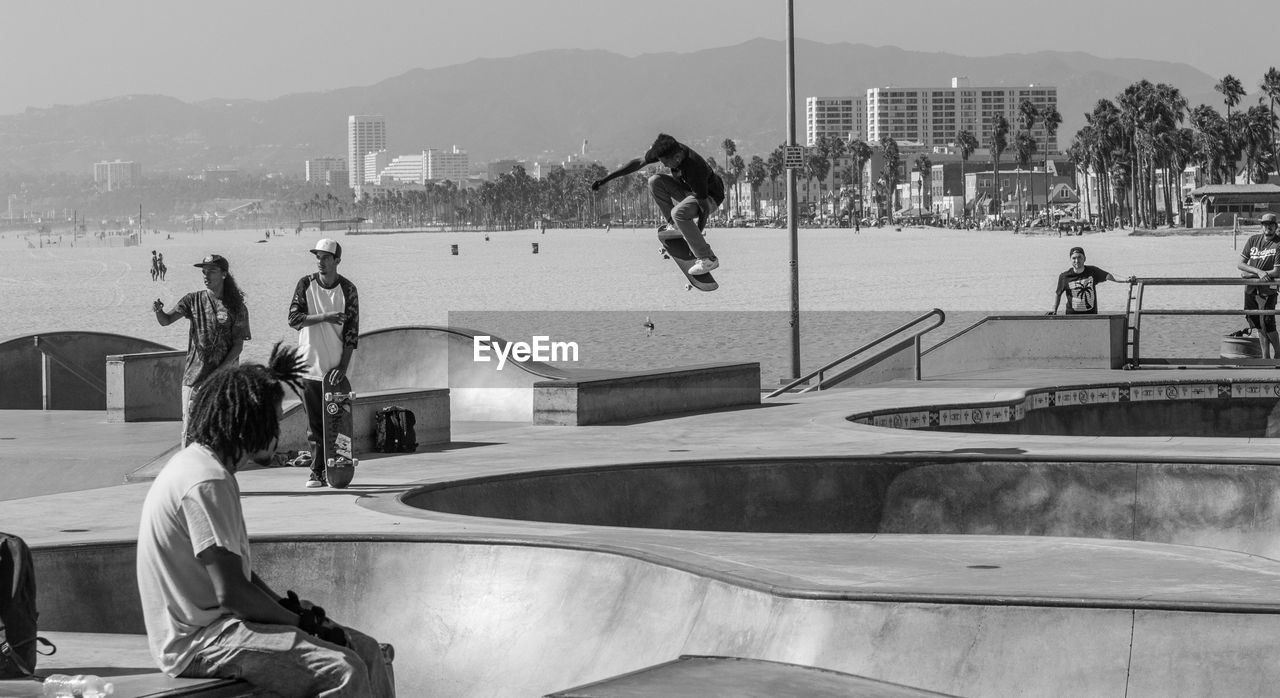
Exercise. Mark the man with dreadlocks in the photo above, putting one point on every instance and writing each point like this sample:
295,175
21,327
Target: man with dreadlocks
208,615
219,326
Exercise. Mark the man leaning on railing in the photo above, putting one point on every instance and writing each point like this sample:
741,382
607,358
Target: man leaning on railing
1258,261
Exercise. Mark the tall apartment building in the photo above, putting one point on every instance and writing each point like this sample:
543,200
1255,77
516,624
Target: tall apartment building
365,134
453,164
116,174
933,116
839,117
318,169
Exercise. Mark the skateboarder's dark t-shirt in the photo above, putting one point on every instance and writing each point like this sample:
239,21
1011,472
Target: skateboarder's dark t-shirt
695,173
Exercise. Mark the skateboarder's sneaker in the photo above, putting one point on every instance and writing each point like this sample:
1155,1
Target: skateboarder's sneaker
704,266
316,480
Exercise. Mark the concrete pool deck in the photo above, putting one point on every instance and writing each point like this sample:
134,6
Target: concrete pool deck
1179,606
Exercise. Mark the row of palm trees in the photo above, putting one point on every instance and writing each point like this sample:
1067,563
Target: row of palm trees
1127,142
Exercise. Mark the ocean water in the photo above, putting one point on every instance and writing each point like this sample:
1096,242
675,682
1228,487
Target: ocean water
597,289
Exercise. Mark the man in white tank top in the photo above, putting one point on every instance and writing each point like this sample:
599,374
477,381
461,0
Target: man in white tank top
326,313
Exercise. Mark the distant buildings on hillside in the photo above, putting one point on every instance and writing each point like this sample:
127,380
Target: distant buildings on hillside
365,134
116,174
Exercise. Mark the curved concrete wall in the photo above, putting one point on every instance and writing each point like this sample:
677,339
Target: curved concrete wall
20,368
485,619
428,357
1227,506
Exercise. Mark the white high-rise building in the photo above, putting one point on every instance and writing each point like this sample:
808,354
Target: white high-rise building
374,163
365,134
453,164
116,174
932,116
409,169
838,117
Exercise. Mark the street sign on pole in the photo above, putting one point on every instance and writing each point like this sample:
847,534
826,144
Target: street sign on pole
793,157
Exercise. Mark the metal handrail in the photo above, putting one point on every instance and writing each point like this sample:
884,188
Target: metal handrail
50,355
1134,312
942,317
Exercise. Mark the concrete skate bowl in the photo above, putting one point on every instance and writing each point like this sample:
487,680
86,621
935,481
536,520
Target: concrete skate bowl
493,618
77,368
1221,505
1240,409
427,357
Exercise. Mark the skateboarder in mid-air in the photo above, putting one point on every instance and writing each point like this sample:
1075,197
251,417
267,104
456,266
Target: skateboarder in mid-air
686,197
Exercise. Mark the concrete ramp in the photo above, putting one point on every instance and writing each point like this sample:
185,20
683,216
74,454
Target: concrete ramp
428,357
695,677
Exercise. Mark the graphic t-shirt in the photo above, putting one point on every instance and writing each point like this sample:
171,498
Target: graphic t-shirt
1081,289
1260,253
214,330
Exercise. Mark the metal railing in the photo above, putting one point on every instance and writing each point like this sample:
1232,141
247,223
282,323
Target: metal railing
1134,312
49,355
823,383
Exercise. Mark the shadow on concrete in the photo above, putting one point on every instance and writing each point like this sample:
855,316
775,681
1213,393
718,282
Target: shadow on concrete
677,415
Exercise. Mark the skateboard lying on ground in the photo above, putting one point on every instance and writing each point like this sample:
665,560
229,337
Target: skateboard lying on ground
675,247
339,462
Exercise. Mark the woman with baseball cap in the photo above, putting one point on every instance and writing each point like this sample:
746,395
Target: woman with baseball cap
219,326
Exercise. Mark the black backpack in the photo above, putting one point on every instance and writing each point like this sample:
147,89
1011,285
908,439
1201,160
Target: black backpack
18,610
393,431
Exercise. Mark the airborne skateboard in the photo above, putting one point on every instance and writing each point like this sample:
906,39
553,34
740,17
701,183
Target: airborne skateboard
675,247
339,461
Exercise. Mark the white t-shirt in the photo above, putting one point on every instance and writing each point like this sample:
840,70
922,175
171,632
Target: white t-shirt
193,505
321,343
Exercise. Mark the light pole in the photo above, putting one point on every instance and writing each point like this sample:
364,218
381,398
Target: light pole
791,193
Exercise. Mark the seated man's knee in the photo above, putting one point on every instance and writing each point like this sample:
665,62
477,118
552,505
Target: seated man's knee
655,181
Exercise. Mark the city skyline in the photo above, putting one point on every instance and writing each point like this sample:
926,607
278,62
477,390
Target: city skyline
194,51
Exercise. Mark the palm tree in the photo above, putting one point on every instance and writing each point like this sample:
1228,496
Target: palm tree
860,153
1028,115
924,167
1024,146
1271,86
1232,91
889,173
757,172
776,164
1051,119
967,142
999,142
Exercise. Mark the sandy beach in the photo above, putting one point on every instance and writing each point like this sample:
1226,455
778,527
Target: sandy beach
596,288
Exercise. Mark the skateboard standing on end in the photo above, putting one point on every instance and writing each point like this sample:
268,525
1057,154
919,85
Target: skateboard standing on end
339,461
675,247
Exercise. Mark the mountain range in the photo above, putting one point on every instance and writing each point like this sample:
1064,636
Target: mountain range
544,105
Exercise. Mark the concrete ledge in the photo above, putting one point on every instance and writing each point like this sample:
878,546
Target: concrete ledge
430,413
1031,341
622,397
124,660
145,387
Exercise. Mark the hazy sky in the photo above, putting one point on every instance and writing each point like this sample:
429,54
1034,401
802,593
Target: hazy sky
70,52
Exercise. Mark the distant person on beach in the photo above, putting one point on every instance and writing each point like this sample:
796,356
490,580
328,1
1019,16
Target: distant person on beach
326,313
155,266
1258,261
1079,285
687,197
219,327
207,613
160,267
